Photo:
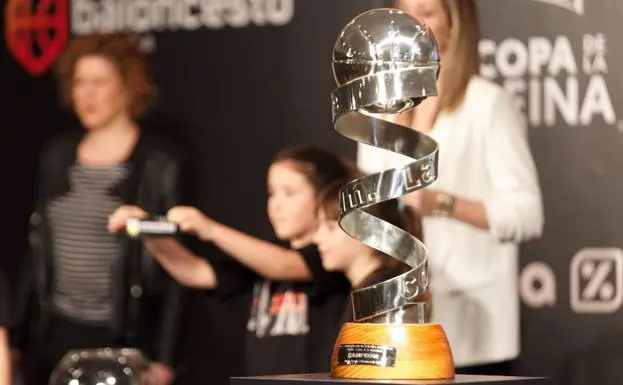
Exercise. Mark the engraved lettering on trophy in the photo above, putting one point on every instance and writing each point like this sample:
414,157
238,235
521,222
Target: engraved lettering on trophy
352,197
358,197
410,288
410,182
428,172
424,175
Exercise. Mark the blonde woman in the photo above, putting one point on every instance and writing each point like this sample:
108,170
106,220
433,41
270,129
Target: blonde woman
485,202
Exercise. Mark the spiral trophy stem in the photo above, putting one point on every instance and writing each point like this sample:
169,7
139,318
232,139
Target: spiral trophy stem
387,62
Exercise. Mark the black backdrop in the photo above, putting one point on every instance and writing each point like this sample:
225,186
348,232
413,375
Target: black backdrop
244,85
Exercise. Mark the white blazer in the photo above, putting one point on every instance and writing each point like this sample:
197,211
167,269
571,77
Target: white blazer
484,156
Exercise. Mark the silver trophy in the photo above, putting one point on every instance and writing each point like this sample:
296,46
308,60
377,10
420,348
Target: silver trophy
102,367
386,62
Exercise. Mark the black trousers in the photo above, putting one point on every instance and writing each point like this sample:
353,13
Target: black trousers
41,357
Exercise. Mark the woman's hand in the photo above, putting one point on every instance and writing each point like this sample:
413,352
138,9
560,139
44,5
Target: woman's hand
118,219
423,202
191,220
427,202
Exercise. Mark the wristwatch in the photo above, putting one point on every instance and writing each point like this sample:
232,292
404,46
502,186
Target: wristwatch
445,205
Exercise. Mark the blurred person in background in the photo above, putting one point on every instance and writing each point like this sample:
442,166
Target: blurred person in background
82,287
5,320
362,265
296,304
485,202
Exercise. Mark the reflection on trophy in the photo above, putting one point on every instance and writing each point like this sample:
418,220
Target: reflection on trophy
386,62
102,367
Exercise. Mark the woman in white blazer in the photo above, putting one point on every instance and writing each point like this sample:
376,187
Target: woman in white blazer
486,199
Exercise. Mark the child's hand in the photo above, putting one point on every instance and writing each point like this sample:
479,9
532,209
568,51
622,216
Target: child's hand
191,220
118,219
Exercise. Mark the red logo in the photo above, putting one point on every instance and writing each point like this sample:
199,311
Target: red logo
35,35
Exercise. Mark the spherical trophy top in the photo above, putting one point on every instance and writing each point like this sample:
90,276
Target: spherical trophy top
102,366
383,39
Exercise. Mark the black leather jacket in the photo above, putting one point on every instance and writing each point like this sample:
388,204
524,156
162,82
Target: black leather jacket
147,301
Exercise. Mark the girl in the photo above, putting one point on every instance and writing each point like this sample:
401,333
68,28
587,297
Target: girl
296,302
485,202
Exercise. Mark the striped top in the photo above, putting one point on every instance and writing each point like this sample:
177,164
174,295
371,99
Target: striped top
85,253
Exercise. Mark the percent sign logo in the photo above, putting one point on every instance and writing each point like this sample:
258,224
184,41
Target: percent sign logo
596,276
35,35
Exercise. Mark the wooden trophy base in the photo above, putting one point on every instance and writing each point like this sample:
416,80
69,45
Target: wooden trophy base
392,352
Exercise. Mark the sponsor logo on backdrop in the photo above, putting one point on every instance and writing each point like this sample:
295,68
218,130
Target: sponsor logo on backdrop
537,285
142,16
595,282
36,33
555,80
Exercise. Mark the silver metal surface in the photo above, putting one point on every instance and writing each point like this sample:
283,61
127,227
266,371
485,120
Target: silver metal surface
102,366
386,62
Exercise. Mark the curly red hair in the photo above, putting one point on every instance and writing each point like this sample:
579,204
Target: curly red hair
120,50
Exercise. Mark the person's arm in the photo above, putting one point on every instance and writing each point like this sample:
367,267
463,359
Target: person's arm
24,293
51,161
5,320
21,311
165,343
513,210
5,358
173,184
267,259
182,264
225,277
425,202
